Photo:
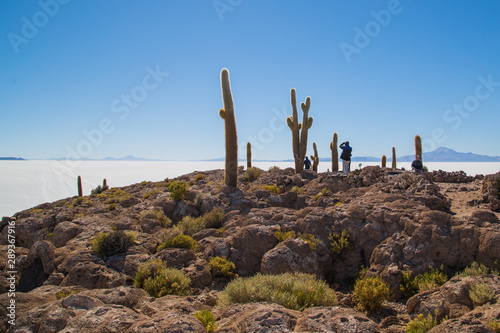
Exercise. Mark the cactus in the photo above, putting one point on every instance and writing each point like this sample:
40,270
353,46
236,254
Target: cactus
315,158
418,147
79,184
394,158
231,169
335,153
104,183
384,161
249,155
299,130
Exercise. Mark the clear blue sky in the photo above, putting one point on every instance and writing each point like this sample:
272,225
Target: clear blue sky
142,78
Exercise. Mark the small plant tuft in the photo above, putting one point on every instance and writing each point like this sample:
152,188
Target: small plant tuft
495,325
422,324
298,190
207,318
198,177
180,242
107,244
481,294
323,193
271,188
339,242
155,215
370,292
221,267
253,173
476,269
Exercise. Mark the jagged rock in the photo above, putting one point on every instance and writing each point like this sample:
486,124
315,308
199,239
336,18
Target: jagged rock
335,319
63,232
172,323
292,255
37,267
123,295
90,275
177,258
199,273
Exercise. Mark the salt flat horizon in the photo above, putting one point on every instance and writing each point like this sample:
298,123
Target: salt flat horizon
25,184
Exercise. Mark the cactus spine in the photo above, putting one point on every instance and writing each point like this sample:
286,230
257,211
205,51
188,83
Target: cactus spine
394,158
418,147
231,170
249,155
79,184
335,153
315,158
384,161
299,130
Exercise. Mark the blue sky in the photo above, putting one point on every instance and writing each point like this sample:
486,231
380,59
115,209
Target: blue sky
113,78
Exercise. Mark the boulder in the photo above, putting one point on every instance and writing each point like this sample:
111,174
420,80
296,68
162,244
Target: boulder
90,275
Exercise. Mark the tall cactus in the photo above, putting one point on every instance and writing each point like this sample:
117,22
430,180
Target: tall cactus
231,170
394,165
249,155
299,130
315,158
418,147
79,184
335,153
384,161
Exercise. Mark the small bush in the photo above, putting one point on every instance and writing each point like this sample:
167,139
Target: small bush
295,291
114,195
298,190
339,242
112,207
281,235
190,225
431,279
214,218
481,294
180,242
253,173
271,188
147,270
311,240
155,215
409,286
150,193
222,267
107,244
99,189
495,325
207,318
177,190
169,281
422,324
370,292
323,193
475,269
199,176
275,168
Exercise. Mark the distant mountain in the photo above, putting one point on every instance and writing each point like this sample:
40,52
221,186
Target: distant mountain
443,154
12,159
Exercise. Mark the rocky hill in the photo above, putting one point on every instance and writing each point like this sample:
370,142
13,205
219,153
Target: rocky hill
379,221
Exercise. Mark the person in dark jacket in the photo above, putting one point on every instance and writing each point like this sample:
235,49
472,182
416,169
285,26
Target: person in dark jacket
307,163
346,156
417,165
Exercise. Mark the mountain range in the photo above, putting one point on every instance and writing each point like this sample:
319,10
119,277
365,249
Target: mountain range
440,154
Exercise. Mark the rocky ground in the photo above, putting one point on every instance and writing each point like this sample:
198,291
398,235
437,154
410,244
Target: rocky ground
396,222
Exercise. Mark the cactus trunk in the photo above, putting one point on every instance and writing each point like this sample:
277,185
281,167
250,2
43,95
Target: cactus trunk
79,184
384,161
315,158
335,153
394,165
299,130
231,170
418,147
249,155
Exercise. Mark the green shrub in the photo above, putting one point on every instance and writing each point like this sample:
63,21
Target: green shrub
111,207
431,279
481,294
177,190
147,270
190,225
409,286
222,267
422,324
495,325
169,281
114,195
150,193
281,235
311,240
179,242
107,244
339,242
370,292
275,168
298,190
207,318
155,215
253,173
295,291
475,269
323,193
99,189
199,176
214,218
271,188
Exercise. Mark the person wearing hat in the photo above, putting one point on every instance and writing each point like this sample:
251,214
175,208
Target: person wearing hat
417,165
346,156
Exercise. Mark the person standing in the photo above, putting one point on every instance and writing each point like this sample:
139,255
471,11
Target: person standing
346,156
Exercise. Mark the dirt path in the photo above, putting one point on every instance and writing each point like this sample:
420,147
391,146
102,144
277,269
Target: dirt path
460,194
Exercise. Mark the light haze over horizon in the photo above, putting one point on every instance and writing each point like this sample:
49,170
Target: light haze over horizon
92,79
